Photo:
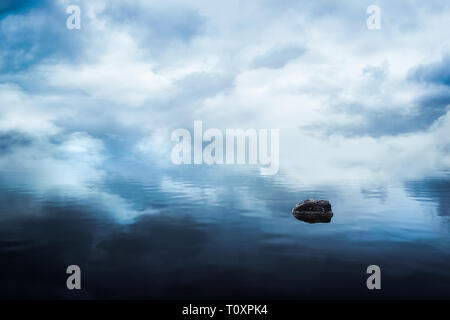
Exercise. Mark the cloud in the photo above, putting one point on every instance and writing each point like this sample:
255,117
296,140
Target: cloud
277,58
35,32
166,23
67,160
435,73
32,115
350,103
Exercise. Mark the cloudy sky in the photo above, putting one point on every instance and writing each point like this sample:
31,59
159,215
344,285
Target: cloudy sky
350,103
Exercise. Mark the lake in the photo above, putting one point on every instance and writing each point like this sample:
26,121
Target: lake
141,232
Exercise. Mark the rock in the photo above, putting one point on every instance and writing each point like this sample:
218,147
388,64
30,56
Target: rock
313,211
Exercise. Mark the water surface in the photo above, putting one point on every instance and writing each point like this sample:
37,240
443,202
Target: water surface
221,234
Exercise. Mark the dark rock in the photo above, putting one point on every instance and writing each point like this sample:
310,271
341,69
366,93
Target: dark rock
313,211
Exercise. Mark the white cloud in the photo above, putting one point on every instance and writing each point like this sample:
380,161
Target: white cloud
29,114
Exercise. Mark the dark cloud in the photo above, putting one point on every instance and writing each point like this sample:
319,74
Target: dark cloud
392,121
11,139
375,123
31,37
435,73
432,106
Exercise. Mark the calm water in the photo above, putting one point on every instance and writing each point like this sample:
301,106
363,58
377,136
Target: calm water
210,233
